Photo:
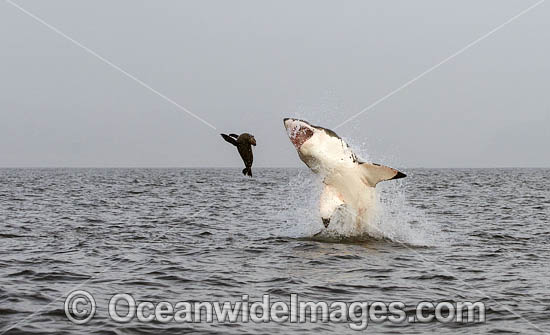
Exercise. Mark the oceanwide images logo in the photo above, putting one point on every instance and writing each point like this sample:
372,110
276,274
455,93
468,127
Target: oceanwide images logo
80,308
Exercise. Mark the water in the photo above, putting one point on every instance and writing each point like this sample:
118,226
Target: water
212,234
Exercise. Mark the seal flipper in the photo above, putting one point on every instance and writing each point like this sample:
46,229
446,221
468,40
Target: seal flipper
229,139
247,171
234,135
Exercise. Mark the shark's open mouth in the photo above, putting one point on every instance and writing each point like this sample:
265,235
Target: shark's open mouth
298,133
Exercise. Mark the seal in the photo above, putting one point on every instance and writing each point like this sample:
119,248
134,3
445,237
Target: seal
244,143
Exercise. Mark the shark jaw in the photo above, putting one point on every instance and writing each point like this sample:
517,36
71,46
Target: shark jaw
319,148
298,131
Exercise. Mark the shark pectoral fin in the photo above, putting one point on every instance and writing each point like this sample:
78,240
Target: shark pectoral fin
329,202
374,173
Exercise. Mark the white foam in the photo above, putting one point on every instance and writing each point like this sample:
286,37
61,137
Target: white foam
392,218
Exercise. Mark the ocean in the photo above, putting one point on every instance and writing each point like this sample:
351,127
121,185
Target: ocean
205,235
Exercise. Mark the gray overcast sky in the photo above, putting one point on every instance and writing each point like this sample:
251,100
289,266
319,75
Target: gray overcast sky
244,65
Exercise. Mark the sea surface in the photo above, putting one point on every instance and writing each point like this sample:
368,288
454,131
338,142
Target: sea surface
214,235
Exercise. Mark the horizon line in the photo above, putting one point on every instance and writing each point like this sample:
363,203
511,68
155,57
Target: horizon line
259,167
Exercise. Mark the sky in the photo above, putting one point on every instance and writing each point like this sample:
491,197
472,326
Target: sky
242,66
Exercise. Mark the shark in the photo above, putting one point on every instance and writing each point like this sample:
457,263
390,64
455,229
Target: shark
349,183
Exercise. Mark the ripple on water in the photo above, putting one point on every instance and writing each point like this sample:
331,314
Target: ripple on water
191,234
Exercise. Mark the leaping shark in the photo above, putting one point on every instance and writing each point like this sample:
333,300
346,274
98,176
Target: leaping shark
348,182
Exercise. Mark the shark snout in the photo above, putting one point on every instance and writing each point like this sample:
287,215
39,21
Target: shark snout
291,123
287,121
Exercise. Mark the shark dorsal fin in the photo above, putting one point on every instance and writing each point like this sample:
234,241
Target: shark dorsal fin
374,173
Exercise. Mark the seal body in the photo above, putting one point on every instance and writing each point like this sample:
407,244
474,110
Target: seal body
244,143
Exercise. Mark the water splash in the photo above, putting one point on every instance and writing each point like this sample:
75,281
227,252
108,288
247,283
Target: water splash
302,205
397,220
391,218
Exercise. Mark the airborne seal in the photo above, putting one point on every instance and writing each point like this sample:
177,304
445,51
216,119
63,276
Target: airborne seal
244,143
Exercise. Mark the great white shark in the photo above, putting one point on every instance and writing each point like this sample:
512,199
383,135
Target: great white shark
349,183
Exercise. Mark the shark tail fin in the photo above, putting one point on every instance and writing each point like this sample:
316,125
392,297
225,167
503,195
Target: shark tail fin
374,173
